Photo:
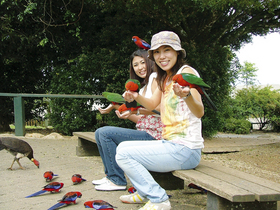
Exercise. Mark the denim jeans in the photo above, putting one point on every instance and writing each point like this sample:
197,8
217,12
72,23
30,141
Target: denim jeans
138,158
107,139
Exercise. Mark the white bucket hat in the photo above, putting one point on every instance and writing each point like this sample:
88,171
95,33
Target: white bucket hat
165,38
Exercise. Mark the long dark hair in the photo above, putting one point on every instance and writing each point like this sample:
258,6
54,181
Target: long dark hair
161,75
149,66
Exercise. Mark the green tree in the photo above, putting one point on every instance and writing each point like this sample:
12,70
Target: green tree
260,104
61,33
247,74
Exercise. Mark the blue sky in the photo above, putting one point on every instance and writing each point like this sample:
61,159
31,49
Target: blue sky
264,52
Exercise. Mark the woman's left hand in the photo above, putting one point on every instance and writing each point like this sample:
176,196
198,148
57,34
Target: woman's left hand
181,91
124,115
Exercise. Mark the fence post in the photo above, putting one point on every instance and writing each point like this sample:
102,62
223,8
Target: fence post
19,115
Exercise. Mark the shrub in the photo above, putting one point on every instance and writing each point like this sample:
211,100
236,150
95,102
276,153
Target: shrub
237,126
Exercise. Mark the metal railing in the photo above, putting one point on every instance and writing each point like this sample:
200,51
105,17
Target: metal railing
19,113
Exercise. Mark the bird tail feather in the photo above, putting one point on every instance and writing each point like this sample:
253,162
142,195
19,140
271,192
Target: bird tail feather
208,100
36,193
58,205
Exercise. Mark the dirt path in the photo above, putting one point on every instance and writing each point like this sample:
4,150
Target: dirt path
58,154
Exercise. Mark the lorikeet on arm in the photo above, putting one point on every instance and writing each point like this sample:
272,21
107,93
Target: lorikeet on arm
193,81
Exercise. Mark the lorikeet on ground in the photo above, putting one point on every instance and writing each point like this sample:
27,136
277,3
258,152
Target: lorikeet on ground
141,43
77,178
68,198
193,81
51,187
48,175
99,204
131,190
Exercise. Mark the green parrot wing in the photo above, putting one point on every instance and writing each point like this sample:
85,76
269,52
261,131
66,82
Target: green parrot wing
193,79
114,97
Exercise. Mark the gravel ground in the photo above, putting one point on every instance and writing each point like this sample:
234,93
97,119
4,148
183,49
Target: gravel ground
257,154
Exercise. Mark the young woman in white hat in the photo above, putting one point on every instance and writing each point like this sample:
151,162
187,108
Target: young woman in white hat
181,110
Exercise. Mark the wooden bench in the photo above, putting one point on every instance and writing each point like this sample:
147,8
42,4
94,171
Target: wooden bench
87,147
86,144
232,189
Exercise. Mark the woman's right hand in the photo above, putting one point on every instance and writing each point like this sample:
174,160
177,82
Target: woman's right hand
130,96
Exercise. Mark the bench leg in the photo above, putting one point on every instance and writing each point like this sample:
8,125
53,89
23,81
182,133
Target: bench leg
168,181
215,202
86,148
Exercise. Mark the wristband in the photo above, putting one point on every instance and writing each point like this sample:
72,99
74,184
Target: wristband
187,96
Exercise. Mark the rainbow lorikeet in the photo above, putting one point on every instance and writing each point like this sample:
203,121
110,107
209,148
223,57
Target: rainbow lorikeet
123,108
114,98
67,199
48,175
77,178
99,204
51,187
193,81
132,85
141,43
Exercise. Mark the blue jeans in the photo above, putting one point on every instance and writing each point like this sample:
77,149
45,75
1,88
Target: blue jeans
138,158
107,139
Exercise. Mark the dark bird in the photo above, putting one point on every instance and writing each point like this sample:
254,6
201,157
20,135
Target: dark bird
193,81
51,187
99,204
77,178
48,175
18,148
141,43
67,199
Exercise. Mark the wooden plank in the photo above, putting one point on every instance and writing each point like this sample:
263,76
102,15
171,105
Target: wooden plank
90,136
217,186
262,193
252,178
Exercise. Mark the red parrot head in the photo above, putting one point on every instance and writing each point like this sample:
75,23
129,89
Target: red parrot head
122,108
76,178
178,78
131,86
78,194
48,175
135,37
88,204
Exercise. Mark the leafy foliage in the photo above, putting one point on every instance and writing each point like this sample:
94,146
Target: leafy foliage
237,126
247,74
82,47
261,104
